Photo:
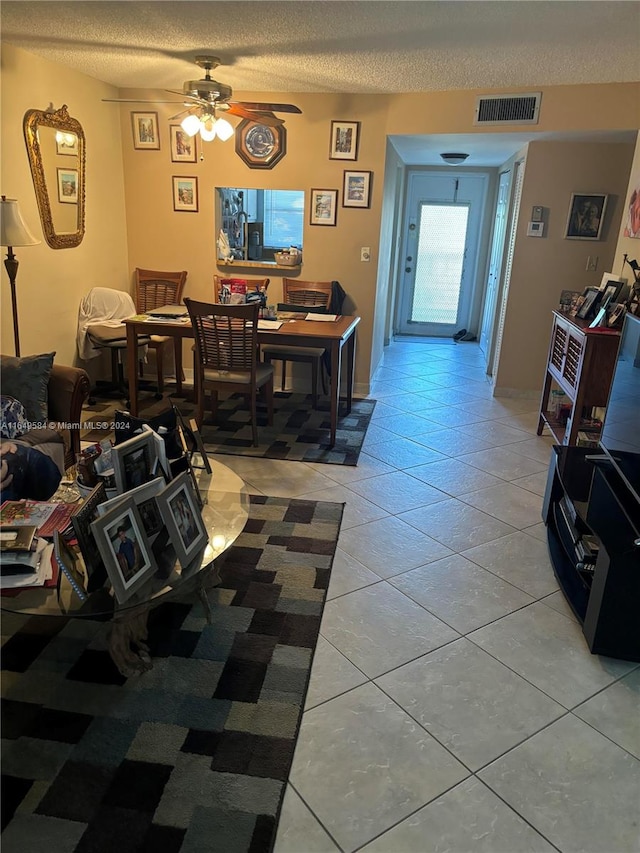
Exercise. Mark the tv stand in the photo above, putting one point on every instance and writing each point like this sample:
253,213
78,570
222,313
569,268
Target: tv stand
593,534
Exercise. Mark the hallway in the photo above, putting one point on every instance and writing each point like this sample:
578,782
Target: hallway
453,702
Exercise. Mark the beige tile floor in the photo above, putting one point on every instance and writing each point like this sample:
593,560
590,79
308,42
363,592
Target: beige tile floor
453,703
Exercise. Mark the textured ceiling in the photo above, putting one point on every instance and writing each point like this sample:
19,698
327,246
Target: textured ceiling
335,46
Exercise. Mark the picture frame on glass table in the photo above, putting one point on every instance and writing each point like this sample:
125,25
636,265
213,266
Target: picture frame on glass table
81,519
181,514
135,461
144,497
125,549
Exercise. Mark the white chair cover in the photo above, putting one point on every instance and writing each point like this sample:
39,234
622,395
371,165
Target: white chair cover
102,305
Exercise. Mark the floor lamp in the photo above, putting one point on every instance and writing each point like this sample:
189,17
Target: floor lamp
13,232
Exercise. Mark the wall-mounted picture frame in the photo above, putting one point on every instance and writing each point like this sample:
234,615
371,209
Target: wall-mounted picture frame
185,194
586,216
181,514
356,189
344,140
125,550
134,461
259,145
146,136
66,143
323,207
183,146
81,519
632,222
67,186
590,303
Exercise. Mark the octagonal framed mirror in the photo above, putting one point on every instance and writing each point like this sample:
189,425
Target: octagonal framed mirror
56,149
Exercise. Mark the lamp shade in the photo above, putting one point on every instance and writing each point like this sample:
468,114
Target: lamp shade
13,229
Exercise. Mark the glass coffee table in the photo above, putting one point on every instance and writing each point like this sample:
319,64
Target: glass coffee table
225,510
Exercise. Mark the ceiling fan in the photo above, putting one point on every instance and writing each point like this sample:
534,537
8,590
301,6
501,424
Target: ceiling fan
204,98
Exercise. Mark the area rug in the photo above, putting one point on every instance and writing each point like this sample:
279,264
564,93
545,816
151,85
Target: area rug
299,432
194,755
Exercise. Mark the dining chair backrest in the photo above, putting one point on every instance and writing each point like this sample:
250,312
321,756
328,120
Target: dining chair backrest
226,336
155,288
313,294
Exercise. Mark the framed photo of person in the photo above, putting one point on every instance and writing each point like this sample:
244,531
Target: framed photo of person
323,207
611,286
134,461
145,131
590,304
144,497
183,146
125,549
356,191
586,215
181,514
345,138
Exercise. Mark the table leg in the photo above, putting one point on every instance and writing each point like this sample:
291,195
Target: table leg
177,360
127,642
132,372
351,363
334,390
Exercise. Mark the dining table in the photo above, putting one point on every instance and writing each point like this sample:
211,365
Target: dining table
332,335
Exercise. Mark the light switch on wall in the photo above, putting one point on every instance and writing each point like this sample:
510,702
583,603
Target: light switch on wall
365,253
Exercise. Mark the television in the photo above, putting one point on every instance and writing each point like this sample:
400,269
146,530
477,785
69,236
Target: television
620,437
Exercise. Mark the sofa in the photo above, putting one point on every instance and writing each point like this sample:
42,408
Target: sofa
53,396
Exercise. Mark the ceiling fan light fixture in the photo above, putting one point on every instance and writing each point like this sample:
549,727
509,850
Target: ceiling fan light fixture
454,158
223,129
208,128
190,124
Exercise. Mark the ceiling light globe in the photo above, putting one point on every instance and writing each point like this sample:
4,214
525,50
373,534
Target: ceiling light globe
190,125
223,129
208,131
454,158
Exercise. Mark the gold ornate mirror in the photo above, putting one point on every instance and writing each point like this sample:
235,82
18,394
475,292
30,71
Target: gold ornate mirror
56,149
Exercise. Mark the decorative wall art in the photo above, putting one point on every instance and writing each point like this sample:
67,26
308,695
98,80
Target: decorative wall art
323,207
345,137
145,131
68,186
259,145
356,191
185,194
183,146
586,215
632,223
66,143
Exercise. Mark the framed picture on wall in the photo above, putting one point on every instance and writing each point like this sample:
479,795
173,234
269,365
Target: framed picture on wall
145,131
344,140
183,146
68,186
586,215
185,194
323,207
356,191
66,143
632,222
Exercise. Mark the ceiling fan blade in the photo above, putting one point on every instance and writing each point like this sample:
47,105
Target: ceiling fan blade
135,101
181,113
273,108
254,115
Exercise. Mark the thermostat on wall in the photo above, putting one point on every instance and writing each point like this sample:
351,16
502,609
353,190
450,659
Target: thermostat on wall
535,229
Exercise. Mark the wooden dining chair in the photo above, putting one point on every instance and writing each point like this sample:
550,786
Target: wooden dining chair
154,289
310,294
226,346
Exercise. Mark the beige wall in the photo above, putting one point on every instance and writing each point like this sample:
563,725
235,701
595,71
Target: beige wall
51,282
543,267
131,222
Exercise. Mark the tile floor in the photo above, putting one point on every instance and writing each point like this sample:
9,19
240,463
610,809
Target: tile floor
453,703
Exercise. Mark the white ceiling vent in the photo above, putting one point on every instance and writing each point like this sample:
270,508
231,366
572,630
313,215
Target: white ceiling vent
508,109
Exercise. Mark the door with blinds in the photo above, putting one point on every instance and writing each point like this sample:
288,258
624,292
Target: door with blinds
443,220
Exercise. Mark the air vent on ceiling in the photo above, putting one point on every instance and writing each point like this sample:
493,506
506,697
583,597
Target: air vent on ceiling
508,109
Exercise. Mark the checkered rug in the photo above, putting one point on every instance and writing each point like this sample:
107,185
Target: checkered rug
194,755
299,432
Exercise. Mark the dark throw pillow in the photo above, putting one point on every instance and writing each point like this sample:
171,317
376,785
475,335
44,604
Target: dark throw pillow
27,380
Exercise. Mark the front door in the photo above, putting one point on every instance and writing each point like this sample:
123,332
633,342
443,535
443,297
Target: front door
443,219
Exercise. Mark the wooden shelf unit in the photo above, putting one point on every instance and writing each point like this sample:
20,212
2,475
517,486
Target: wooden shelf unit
581,362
